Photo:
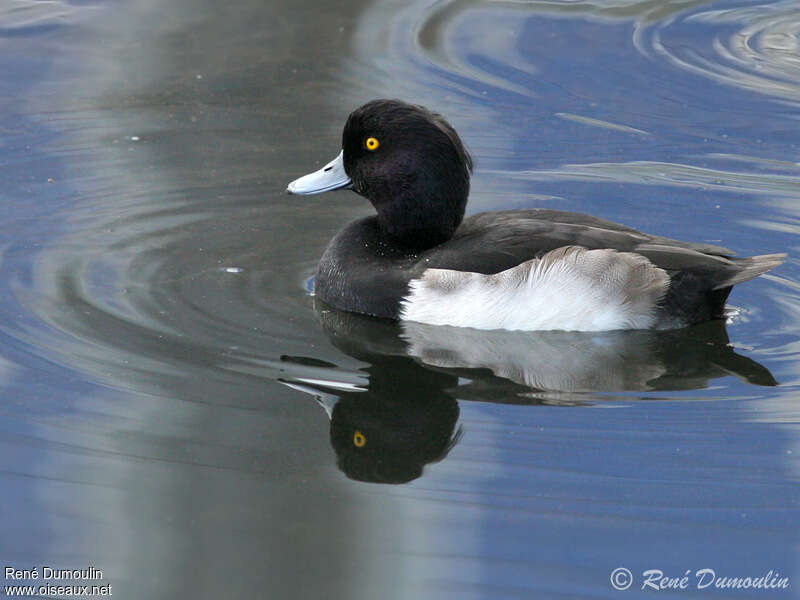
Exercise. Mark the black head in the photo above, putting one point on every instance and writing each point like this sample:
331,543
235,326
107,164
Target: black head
412,166
391,439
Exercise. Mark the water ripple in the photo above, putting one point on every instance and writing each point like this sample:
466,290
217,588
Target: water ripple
23,17
756,47
663,173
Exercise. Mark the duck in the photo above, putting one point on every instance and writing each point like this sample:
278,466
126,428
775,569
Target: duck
419,259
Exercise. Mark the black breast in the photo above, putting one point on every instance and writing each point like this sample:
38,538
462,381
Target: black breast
360,272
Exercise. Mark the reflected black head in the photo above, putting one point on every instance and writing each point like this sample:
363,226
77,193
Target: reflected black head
411,164
391,442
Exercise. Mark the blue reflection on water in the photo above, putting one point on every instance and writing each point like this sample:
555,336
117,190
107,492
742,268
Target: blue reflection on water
568,494
147,420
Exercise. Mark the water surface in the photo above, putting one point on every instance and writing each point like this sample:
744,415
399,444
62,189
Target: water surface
180,414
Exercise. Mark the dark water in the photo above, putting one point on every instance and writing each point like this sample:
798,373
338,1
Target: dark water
165,375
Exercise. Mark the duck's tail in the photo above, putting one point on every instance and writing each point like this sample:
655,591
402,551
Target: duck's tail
750,268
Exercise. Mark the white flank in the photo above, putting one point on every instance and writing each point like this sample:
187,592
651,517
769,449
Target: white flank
570,288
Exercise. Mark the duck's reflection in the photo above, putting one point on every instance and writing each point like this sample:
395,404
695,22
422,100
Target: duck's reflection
405,418
389,438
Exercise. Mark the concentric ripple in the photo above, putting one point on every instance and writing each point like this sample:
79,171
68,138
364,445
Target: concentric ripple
757,47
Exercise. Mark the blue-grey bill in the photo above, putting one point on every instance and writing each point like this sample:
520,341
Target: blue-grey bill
330,177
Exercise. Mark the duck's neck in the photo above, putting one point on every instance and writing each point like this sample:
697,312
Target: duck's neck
417,220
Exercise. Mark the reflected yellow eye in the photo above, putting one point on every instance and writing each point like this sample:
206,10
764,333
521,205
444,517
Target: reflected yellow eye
359,440
372,144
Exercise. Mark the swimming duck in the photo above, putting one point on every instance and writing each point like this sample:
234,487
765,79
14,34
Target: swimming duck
420,260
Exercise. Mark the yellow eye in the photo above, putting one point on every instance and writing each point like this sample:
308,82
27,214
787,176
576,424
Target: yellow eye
372,144
359,440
